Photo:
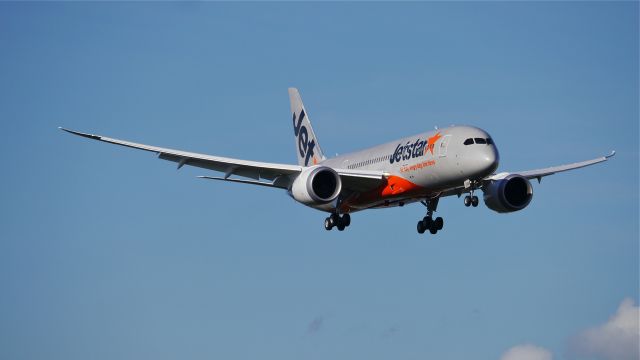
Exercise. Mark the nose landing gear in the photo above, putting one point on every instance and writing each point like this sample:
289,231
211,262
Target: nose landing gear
428,223
335,220
471,200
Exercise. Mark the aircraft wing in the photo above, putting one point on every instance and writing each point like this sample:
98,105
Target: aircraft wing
361,180
539,173
533,174
358,181
280,174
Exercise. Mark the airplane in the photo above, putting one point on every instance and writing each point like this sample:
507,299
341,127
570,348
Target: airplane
420,168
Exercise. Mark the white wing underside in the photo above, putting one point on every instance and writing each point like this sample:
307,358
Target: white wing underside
280,175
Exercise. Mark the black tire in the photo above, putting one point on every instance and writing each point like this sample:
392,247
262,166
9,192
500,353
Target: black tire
467,201
433,230
327,224
438,223
427,221
346,219
421,228
340,227
334,219
474,201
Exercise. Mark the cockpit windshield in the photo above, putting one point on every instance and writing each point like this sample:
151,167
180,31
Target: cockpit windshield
481,141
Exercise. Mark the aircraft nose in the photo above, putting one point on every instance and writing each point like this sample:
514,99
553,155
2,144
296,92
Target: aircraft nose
489,159
483,161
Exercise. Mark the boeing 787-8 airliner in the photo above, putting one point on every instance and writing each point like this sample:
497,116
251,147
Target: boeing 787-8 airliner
420,168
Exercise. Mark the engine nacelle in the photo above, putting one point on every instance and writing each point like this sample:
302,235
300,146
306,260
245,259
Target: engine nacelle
316,185
512,193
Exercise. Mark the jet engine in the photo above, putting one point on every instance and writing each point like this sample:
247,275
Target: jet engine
512,193
316,185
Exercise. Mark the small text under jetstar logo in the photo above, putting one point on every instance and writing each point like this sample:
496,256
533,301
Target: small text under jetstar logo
412,150
305,145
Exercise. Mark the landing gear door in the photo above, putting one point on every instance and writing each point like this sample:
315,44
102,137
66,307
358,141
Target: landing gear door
444,144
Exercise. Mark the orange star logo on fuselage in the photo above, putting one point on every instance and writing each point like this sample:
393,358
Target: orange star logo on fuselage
431,142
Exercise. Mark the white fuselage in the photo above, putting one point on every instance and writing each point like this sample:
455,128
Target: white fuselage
420,166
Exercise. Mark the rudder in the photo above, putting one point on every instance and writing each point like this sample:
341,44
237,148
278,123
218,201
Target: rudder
308,149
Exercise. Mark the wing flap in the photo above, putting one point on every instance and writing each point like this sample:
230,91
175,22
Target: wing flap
361,181
274,184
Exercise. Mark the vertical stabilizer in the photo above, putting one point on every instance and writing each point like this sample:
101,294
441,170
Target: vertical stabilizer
308,149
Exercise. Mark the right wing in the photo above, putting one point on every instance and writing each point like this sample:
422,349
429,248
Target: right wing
280,175
251,169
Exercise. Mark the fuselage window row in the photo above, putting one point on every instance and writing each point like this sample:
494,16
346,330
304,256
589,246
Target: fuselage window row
369,162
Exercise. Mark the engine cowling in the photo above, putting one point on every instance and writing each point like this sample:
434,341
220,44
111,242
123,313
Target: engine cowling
512,193
316,185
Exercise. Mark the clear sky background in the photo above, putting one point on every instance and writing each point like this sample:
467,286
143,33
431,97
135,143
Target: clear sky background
109,253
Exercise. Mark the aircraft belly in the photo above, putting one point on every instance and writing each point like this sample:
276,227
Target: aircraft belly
409,182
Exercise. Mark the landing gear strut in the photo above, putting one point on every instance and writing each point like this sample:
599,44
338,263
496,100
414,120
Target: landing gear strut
428,223
335,220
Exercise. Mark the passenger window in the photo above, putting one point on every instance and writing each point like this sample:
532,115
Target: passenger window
489,141
480,141
469,141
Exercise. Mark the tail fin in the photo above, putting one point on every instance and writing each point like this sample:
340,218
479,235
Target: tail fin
307,147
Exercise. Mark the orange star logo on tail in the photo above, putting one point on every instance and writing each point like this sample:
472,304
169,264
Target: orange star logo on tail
431,142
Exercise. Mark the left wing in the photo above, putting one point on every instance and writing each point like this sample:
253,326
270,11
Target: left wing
532,174
280,175
539,173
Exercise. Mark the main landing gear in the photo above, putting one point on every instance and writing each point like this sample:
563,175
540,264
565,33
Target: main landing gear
338,221
428,223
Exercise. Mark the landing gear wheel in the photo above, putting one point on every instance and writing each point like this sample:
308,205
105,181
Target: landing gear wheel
346,220
421,227
467,201
433,230
438,223
334,219
427,222
474,201
327,224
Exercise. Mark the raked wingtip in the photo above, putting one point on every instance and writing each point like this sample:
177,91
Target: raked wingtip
67,130
90,136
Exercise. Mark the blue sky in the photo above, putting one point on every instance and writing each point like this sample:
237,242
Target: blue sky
107,252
